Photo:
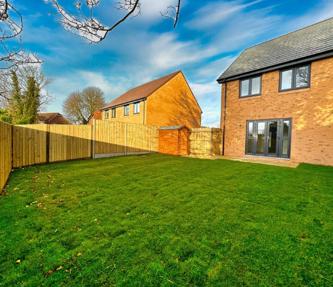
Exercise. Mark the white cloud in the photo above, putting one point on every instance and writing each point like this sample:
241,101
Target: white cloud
215,13
166,51
208,96
77,80
151,9
322,11
214,68
203,89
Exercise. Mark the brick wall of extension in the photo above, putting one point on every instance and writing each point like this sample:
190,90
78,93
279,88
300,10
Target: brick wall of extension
310,109
174,141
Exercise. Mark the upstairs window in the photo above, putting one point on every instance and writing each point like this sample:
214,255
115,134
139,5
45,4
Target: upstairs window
106,115
113,113
295,78
126,110
136,108
250,87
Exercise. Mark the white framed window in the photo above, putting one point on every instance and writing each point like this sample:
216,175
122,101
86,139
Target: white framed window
106,115
113,113
126,110
136,108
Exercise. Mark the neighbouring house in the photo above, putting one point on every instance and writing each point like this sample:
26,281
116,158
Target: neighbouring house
168,101
95,116
52,118
277,98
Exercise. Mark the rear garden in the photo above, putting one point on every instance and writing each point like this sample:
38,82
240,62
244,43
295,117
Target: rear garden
157,220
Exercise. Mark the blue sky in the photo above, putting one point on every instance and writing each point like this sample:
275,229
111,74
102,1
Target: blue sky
211,33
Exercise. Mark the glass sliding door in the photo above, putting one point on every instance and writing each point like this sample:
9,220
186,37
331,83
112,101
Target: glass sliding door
285,138
250,141
268,138
261,137
272,138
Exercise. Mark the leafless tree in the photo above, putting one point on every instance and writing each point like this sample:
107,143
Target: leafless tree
11,27
79,106
93,30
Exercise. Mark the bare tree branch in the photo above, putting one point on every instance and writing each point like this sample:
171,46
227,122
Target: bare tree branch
93,30
173,13
11,22
11,26
90,28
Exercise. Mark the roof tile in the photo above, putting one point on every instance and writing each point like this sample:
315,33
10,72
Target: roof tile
303,43
141,92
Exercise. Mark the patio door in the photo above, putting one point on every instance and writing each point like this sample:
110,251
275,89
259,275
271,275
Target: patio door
269,138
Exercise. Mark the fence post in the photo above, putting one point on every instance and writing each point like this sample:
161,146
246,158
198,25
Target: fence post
211,143
12,147
125,139
47,143
93,138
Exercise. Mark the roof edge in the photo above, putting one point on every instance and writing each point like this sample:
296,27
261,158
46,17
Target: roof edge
174,74
320,56
188,85
125,103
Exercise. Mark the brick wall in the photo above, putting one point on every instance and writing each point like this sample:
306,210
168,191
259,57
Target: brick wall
174,104
311,110
174,141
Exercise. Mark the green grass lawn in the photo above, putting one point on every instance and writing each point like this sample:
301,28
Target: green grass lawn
166,221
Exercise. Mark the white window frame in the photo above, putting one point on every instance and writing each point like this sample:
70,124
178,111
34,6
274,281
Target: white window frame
113,113
126,110
136,108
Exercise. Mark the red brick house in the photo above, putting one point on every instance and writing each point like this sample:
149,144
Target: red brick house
166,101
52,118
95,116
277,98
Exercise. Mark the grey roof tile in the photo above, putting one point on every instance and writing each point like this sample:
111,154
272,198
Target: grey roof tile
306,42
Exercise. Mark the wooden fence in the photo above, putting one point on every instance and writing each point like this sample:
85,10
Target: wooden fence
5,153
29,145
25,145
205,142
114,138
36,144
68,142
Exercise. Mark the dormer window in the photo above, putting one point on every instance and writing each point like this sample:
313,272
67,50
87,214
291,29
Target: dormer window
295,78
250,87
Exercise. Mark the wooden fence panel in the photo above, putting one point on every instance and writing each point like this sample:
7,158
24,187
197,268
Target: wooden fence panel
29,145
5,153
205,142
141,138
116,138
68,142
109,138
